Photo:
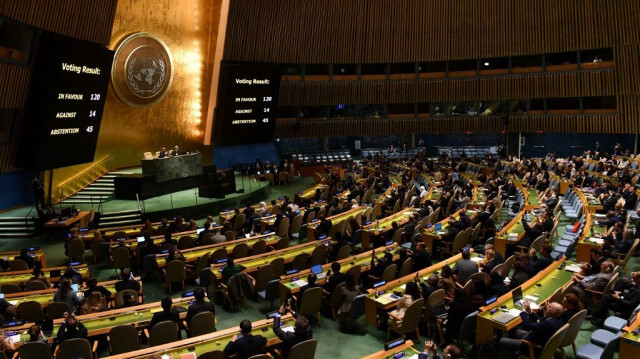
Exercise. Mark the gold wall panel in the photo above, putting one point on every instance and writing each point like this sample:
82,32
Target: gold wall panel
189,28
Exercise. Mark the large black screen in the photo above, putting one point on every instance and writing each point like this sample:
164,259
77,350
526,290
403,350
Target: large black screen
66,100
247,103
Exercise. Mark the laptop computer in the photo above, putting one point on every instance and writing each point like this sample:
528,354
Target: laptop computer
140,239
516,296
504,318
317,270
438,226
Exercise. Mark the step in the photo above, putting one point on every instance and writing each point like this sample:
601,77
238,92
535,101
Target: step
16,223
15,235
104,224
126,216
119,213
18,228
101,185
117,173
79,201
15,220
94,193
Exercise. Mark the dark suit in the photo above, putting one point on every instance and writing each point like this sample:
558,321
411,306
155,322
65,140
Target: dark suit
127,284
172,315
246,346
65,333
543,262
518,279
540,332
464,269
625,305
199,307
302,290
290,339
334,280
488,267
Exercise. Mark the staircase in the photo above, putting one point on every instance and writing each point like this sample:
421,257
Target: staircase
16,227
121,218
99,191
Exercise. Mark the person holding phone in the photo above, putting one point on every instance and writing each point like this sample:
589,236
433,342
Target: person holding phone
451,351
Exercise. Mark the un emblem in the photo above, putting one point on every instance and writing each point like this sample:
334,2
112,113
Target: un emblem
142,70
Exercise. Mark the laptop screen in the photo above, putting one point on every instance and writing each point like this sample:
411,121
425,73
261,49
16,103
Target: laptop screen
516,294
316,269
199,230
438,226
140,239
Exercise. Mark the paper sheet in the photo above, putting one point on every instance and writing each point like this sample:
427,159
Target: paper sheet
382,300
515,312
287,328
476,259
597,240
300,282
573,268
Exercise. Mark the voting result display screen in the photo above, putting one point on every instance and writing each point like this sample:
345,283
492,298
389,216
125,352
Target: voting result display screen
66,100
247,103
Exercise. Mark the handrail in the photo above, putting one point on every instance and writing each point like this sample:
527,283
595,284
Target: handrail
96,170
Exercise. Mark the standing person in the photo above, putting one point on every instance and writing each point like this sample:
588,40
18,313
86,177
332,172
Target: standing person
246,345
38,193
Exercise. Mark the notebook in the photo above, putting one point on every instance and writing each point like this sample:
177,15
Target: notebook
504,318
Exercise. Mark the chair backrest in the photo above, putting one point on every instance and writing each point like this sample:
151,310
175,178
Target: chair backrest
185,242
17,264
10,288
123,339
311,216
119,234
163,333
278,267
220,253
631,251
261,356
203,261
357,307
283,228
500,269
56,310
343,252
355,273
95,243
119,297
121,258
467,327
263,276
304,350
207,239
296,224
479,276
240,250
300,261
240,221
214,354
74,349
411,316
202,323
34,350
336,296
508,264
311,301
30,311
436,298
35,285
574,328
556,297
272,290
318,254
611,282
175,271
406,267
389,273
230,235
283,243
75,247
552,345
397,235
611,346
259,247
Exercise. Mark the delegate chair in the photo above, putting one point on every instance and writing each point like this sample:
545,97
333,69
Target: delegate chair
263,276
10,289
17,264
56,310
202,323
572,332
311,303
303,350
548,351
162,333
123,339
409,322
75,250
76,348
214,354
175,273
30,311
259,247
34,350
35,285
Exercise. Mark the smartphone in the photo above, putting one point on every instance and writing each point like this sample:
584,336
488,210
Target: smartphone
74,287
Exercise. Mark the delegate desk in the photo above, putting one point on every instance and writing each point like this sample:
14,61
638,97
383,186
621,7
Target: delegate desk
382,199
478,200
291,284
382,226
39,256
630,340
253,263
132,230
227,214
212,341
311,192
587,242
193,254
21,277
430,234
45,296
404,350
539,289
382,298
589,202
66,223
509,234
311,227
102,322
